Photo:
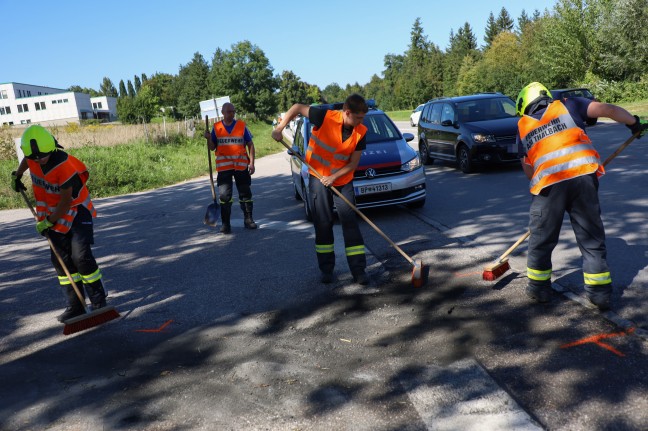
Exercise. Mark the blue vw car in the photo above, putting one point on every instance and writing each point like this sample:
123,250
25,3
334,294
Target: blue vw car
389,173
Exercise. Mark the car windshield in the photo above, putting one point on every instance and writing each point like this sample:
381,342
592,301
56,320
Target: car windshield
485,109
379,129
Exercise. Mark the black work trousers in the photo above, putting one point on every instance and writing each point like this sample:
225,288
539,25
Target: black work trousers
74,247
322,201
243,180
579,198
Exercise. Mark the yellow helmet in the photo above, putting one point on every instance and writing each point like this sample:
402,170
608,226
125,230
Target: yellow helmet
530,94
37,142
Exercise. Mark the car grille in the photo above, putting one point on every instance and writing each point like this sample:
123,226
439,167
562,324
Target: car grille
510,138
390,170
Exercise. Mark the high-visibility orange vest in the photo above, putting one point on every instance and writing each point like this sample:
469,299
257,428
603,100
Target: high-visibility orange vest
326,152
557,148
231,152
47,190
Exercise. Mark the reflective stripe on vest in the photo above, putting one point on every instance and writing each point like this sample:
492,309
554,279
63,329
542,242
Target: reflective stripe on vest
557,148
597,279
326,153
231,152
47,190
539,275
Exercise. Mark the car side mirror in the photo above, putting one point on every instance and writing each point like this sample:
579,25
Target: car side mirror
447,123
290,152
408,137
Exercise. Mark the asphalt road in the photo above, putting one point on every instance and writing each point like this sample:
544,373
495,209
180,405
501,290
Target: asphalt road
235,332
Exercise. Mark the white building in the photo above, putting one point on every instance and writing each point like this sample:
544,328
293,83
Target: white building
26,104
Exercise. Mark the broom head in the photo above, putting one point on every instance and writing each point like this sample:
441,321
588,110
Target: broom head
89,320
419,274
494,271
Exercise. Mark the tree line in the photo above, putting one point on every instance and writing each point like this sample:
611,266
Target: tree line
601,44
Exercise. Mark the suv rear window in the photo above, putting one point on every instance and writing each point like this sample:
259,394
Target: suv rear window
485,109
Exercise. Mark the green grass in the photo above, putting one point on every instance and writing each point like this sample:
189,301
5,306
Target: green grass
399,115
139,166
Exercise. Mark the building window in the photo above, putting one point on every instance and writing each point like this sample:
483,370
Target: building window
64,100
23,108
19,108
3,94
2,112
99,104
37,105
42,105
29,93
8,109
94,105
53,102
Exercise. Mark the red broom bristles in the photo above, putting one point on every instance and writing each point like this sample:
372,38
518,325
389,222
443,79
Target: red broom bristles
492,272
89,320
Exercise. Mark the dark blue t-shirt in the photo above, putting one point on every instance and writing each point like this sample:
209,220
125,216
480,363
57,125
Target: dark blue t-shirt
577,108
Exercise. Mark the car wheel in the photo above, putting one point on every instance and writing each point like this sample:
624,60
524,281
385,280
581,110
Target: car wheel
424,154
463,159
417,204
307,209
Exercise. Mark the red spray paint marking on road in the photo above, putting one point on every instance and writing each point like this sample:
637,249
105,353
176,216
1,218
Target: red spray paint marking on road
596,339
160,329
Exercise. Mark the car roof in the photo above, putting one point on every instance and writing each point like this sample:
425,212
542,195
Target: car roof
469,97
571,89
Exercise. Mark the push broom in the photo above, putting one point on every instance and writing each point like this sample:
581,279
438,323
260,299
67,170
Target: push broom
89,319
501,265
418,274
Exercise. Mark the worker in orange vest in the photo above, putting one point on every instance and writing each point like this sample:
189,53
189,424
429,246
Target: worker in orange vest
563,167
65,211
334,149
235,154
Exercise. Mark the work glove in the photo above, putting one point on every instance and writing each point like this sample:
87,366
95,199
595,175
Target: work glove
43,225
16,184
639,126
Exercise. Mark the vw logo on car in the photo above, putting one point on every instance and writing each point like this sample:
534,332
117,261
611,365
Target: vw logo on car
370,173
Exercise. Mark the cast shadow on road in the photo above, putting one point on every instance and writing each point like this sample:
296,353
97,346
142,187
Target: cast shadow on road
162,265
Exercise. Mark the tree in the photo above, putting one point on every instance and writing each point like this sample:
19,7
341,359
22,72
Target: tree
78,89
162,86
504,21
191,85
122,89
142,107
504,76
291,90
333,93
491,30
144,78
245,74
138,84
131,90
107,88
463,44
623,38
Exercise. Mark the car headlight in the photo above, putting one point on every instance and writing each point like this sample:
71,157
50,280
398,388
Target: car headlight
415,163
482,138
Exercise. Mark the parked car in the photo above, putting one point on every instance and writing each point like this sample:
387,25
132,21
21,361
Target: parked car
474,129
389,173
564,93
415,115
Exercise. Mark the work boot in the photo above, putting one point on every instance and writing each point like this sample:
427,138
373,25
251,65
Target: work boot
97,294
326,277
75,307
599,295
539,291
248,222
226,212
361,278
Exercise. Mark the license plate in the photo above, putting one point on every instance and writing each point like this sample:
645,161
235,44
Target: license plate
374,188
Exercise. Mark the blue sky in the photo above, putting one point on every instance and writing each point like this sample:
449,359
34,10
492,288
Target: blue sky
64,43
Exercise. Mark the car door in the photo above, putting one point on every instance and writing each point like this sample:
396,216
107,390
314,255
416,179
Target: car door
434,123
448,133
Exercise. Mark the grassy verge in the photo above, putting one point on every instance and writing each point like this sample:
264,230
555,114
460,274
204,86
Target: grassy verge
138,166
399,115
